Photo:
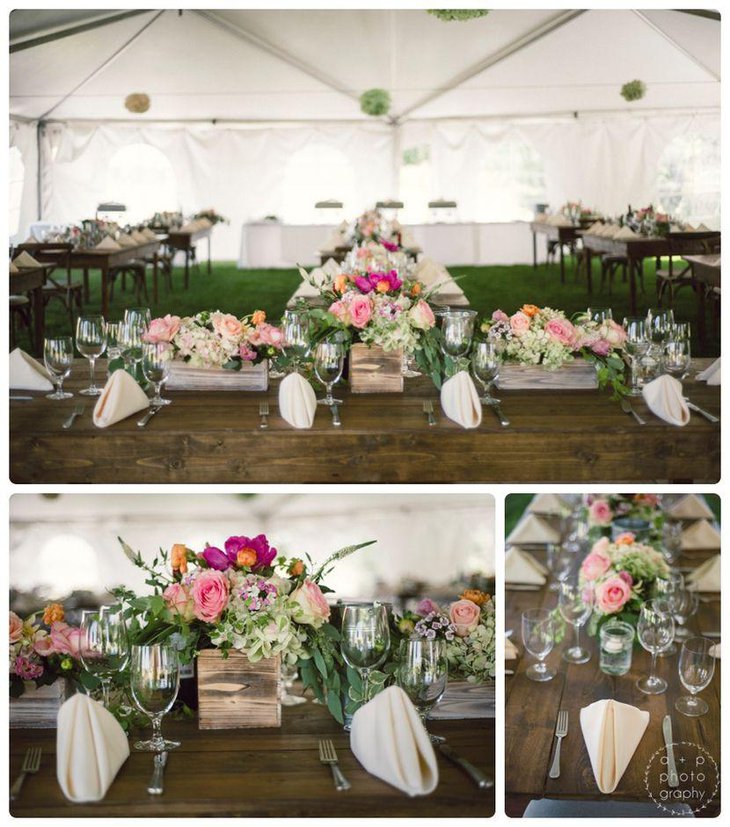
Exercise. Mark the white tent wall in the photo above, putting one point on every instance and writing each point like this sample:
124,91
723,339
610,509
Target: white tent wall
24,137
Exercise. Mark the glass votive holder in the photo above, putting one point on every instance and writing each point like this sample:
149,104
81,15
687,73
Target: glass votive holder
617,643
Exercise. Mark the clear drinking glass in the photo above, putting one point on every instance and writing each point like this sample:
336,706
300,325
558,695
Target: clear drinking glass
683,603
154,681
295,330
140,315
113,349
666,588
599,314
365,639
659,322
575,604
485,367
676,359
91,343
538,636
655,630
104,646
329,360
457,330
637,345
156,360
130,341
559,562
696,668
423,673
672,540
58,357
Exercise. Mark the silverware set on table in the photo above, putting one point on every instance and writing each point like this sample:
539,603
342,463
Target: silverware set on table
561,730
431,419
31,764
77,411
627,408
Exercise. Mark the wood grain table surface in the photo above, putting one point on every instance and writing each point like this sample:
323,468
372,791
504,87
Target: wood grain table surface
262,772
532,709
554,436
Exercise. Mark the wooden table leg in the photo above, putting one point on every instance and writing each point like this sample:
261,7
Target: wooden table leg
534,251
86,285
633,264
105,291
154,278
39,319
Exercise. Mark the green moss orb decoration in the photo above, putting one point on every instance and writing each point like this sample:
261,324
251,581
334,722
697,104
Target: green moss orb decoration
375,102
634,90
449,15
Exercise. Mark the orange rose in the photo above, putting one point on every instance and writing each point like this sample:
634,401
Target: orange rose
475,596
296,567
382,286
530,310
246,557
340,283
416,289
179,558
53,613
625,539
258,317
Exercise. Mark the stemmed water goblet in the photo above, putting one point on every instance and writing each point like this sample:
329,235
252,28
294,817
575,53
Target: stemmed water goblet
637,345
575,604
683,604
365,640
457,331
154,682
131,341
104,648
659,323
676,357
91,340
295,330
485,367
156,360
599,314
672,540
559,562
667,588
696,668
113,349
423,673
58,357
538,636
329,360
655,630
140,315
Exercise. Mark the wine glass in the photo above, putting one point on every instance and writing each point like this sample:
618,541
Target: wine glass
104,646
683,604
559,562
575,604
329,360
113,349
423,673
659,322
130,341
636,345
672,540
295,330
140,315
154,680
58,357
485,367
676,358
599,314
666,588
457,330
538,635
289,674
655,630
365,639
156,360
91,343
696,668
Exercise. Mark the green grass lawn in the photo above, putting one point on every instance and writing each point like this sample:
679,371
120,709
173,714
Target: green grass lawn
487,288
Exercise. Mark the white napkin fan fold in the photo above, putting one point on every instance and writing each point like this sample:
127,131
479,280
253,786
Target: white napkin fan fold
26,374
521,567
460,401
120,398
297,401
665,399
700,535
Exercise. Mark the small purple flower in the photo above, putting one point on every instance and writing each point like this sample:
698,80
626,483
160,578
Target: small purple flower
258,595
427,607
216,559
27,669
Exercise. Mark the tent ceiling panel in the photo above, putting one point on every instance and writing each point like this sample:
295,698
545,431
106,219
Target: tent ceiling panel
25,23
699,36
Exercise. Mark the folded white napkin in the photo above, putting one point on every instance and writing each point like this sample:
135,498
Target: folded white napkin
149,234
546,504
521,567
14,267
559,220
703,228
190,227
624,233
121,398
391,743
108,243
711,374
460,400
25,260
430,272
125,240
297,401
665,399
26,374
138,237
32,240
691,507
610,230
334,241
533,529
612,732
331,268
715,651
510,650
90,749
706,578
700,535
595,227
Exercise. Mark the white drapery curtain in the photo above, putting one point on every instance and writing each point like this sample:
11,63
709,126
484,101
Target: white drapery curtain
23,137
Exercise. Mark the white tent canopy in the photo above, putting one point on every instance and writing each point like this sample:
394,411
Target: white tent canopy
236,95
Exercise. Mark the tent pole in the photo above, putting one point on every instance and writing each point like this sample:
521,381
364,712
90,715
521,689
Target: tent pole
67,31
670,39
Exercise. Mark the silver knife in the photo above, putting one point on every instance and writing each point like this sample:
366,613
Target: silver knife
335,416
672,766
146,418
156,786
701,411
503,421
476,775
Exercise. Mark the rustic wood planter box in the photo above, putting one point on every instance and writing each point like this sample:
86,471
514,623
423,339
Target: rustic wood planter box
577,375
234,693
183,377
374,370
37,707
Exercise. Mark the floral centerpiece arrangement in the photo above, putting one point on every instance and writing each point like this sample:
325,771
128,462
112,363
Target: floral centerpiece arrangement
212,339
211,215
546,337
648,221
370,226
622,574
576,212
603,509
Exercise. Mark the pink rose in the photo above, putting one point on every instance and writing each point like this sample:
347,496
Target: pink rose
601,347
562,331
341,312
16,628
162,330
361,311
520,322
27,669
43,646
267,334
500,316
612,333
465,616
246,353
311,607
178,601
66,639
601,546
595,565
600,512
226,326
422,316
210,595
612,595
427,606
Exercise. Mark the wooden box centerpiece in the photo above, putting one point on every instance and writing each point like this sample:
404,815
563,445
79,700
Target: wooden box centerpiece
184,377
234,693
576,375
37,707
374,370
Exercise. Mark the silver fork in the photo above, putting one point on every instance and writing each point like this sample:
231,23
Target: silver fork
78,410
428,410
264,413
327,755
31,764
561,730
626,408
701,411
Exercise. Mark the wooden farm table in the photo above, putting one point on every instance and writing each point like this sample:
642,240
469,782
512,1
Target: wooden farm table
185,241
532,709
262,772
559,235
566,436
105,260
31,280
